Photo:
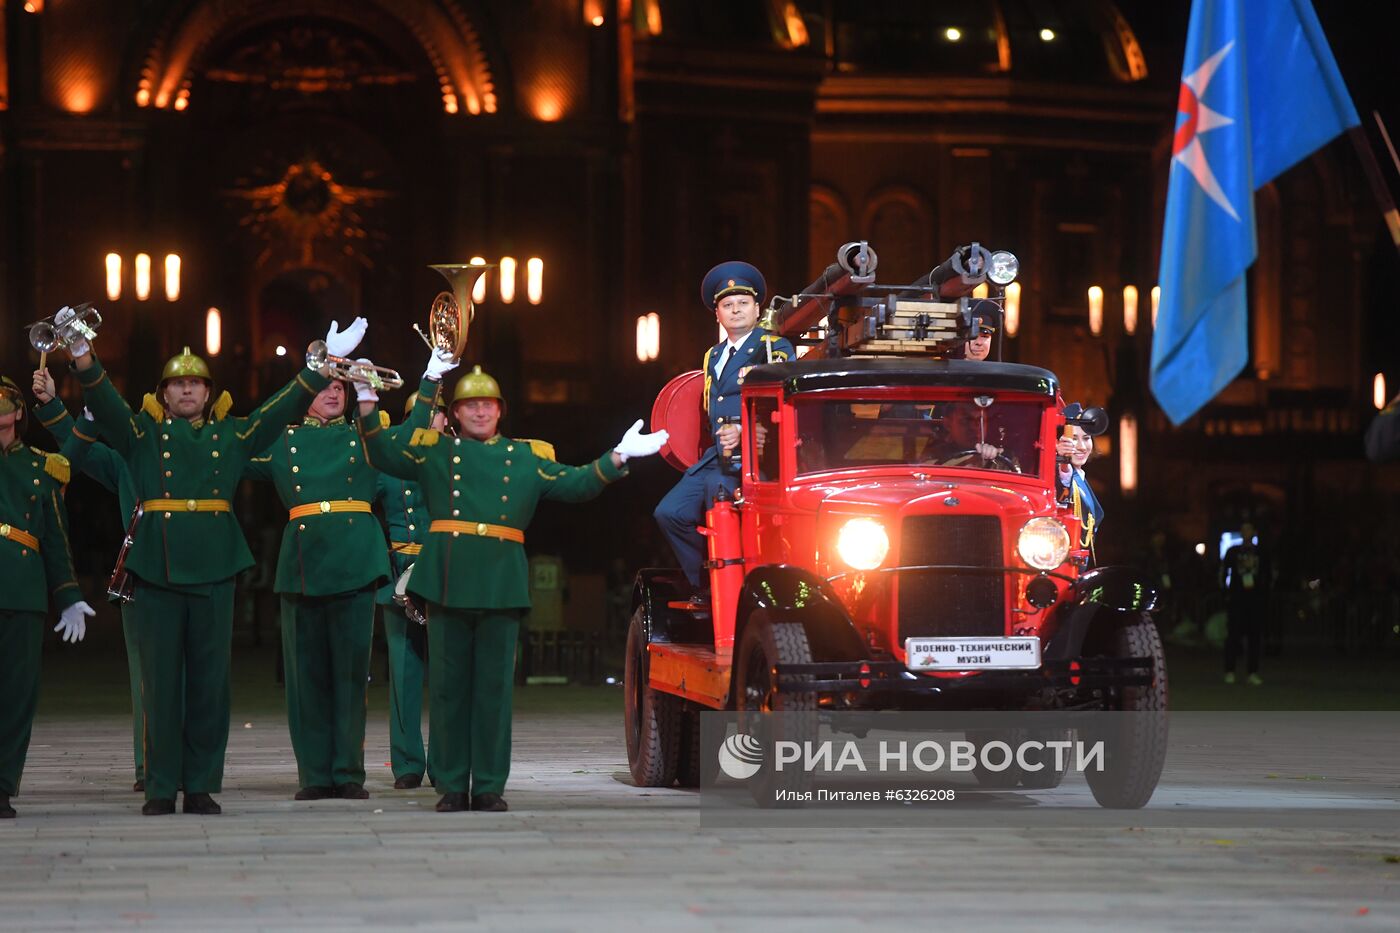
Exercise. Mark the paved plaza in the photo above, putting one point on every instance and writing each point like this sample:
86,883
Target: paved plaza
582,849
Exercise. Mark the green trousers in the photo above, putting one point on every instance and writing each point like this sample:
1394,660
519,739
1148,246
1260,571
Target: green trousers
471,668
407,642
325,651
133,673
182,639
21,638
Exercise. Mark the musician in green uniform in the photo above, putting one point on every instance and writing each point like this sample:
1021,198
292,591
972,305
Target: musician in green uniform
78,443
332,562
406,516
481,490
186,459
37,563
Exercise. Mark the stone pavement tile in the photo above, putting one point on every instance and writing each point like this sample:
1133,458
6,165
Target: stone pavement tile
584,850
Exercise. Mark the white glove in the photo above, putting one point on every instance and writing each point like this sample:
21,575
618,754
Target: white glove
79,348
88,415
636,444
72,625
343,342
439,363
364,392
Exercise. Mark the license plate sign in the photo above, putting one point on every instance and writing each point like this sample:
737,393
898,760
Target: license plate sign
972,654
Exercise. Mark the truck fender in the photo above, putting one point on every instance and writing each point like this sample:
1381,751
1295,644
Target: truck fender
1104,599
1121,588
654,589
797,595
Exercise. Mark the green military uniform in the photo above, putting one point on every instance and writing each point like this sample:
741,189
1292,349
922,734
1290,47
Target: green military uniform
406,515
331,562
78,444
187,551
472,574
37,564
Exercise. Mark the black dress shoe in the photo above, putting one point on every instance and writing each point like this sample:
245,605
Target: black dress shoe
408,782
490,803
7,812
315,793
139,787
351,792
452,803
700,600
160,806
202,804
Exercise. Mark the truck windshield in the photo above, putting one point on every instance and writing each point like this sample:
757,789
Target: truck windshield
957,434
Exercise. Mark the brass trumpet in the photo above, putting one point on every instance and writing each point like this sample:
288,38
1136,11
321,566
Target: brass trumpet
451,314
66,327
338,367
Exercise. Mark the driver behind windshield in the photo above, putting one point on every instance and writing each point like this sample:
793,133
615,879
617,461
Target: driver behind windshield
969,438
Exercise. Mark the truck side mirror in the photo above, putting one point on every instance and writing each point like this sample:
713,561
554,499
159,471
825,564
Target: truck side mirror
1094,421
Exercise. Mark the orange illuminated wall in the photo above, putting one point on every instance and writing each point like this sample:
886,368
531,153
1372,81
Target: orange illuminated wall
4,64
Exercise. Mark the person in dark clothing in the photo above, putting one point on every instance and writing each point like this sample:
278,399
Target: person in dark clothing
1244,575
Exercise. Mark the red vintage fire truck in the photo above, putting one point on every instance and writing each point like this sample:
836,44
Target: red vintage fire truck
871,558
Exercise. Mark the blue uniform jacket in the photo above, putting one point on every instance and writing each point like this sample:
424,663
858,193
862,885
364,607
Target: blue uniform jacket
722,389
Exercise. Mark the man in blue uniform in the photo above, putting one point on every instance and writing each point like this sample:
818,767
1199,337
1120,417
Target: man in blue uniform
734,291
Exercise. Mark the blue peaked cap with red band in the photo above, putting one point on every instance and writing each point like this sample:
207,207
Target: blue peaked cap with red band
732,278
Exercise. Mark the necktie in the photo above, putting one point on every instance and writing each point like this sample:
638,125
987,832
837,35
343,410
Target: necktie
724,359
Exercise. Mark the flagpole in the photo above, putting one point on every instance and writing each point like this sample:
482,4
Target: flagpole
1385,135
1379,189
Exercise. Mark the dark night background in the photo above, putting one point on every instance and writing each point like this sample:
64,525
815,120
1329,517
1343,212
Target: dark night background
307,159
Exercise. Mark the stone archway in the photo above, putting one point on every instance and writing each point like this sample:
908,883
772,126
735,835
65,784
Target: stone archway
447,36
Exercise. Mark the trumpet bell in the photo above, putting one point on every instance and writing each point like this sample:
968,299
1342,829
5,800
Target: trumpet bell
450,317
43,337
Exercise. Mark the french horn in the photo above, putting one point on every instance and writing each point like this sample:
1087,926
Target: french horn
450,317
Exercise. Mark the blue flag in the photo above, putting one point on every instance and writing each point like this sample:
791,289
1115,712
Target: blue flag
1260,90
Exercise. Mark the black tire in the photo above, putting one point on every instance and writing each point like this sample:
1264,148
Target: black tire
650,718
986,777
1049,776
688,771
1136,745
765,643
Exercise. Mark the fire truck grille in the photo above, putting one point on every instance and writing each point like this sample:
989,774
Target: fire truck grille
938,604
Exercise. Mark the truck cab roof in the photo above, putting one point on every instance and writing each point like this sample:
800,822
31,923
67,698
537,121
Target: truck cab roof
885,373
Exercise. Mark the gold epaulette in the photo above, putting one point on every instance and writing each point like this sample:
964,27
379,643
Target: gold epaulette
57,466
424,437
383,419
221,407
542,449
152,406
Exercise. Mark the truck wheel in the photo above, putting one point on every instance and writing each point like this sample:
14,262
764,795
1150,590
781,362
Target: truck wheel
986,777
688,773
1049,776
650,718
1135,743
765,643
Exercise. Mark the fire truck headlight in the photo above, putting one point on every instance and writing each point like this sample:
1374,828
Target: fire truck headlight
1044,543
1004,267
863,543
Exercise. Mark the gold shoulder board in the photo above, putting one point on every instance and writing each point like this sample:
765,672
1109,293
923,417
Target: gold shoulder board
57,466
222,406
542,449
